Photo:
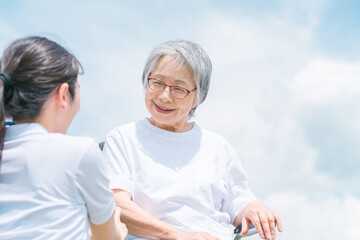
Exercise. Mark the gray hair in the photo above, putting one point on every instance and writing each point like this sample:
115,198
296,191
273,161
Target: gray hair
184,52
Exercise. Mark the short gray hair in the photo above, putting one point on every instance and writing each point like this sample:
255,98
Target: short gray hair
184,52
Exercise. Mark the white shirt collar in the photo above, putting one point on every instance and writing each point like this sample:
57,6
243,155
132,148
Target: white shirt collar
23,129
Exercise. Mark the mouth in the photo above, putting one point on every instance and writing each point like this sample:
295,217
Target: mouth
162,109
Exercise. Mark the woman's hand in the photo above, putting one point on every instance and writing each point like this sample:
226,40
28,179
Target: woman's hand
121,229
262,217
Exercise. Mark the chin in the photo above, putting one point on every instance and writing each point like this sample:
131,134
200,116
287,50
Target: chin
160,120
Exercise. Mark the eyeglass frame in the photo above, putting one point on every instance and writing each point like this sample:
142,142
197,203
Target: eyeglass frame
166,85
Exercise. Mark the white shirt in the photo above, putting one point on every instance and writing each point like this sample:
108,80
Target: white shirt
49,184
192,180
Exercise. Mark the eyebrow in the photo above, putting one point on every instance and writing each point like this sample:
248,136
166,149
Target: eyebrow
176,80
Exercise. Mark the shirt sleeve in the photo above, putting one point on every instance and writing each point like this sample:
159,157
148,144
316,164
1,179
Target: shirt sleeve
93,184
238,191
117,162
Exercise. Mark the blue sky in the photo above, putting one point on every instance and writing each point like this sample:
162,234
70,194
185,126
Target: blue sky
285,89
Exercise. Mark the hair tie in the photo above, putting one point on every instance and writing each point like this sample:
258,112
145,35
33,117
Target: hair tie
6,80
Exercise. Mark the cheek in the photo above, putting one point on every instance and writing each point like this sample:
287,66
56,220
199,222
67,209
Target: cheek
79,102
184,108
190,104
150,95
148,99
194,103
79,105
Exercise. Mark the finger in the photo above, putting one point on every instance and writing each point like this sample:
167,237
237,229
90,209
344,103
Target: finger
90,234
117,213
272,226
278,222
123,227
124,230
265,226
257,223
245,226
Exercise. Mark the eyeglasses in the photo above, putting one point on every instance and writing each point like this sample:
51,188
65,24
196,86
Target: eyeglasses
175,91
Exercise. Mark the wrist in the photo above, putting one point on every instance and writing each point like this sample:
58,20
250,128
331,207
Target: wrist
244,210
171,234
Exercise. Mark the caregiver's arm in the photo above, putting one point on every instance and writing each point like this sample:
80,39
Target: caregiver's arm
141,223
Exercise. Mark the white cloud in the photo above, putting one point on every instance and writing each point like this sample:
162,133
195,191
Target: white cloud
327,82
308,11
332,218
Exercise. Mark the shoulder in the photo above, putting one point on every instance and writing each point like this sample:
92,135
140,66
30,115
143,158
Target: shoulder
120,130
63,151
215,140
74,141
213,136
128,130
69,145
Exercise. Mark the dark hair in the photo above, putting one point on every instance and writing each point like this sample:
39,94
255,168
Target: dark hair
35,66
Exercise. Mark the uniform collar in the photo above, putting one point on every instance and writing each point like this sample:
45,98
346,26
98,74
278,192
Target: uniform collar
23,129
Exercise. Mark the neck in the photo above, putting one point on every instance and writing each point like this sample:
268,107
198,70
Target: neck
51,121
50,118
182,127
40,120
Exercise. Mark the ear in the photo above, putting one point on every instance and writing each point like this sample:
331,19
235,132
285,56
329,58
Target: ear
62,96
195,102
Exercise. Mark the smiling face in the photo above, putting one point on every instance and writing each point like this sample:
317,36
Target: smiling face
167,112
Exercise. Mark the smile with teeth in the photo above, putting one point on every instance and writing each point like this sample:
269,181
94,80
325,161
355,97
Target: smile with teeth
163,109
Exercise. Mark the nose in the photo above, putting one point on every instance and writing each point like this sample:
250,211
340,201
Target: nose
165,95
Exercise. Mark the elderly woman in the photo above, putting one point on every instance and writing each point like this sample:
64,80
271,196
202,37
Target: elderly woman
172,178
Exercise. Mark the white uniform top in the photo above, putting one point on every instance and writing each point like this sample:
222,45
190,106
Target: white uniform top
49,184
192,180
